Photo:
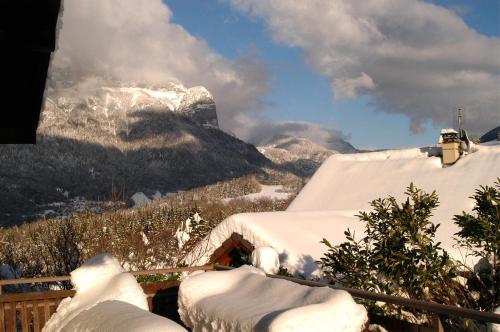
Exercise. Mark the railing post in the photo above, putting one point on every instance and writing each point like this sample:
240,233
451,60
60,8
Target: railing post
436,324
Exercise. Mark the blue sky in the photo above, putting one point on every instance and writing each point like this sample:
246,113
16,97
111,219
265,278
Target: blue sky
299,93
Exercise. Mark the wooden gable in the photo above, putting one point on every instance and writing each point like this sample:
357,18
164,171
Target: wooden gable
235,241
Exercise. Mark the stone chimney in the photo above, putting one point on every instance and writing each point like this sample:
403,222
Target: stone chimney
450,143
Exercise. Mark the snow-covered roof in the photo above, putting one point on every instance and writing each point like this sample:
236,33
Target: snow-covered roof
296,236
350,182
345,185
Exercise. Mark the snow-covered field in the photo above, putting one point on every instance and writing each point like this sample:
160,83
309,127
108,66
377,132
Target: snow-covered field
267,191
244,299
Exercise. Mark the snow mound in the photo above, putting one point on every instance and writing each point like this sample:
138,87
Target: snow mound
120,316
244,299
98,280
266,259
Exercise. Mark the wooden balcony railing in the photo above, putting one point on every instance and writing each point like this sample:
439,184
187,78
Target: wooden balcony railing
30,311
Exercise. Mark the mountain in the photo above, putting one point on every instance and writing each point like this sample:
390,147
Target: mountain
95,137
301,155
111,102
492,135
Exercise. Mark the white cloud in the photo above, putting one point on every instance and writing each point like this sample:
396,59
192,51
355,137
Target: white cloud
350,87
412,57
135,40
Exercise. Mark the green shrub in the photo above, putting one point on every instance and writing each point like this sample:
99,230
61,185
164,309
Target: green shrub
397,256
480,235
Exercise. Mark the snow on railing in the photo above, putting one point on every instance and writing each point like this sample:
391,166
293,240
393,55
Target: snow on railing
44,280
30,311
435,308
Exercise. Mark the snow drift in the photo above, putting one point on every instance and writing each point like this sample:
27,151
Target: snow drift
244,299
105,294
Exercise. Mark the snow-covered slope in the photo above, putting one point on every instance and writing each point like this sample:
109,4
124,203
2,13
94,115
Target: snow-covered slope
300,154
267,191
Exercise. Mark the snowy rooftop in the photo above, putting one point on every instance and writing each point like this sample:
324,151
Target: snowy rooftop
346,184
296,236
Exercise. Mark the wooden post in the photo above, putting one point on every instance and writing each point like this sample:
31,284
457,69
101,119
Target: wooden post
436,324
2,318
46,310
36,317
24,317
13,316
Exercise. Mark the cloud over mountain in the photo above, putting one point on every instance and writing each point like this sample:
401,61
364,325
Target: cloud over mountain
412,57
135,41
261,133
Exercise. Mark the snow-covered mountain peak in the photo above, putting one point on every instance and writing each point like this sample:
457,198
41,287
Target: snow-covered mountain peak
115,101
299,154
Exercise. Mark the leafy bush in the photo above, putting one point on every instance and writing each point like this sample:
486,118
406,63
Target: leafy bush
480,234
397,256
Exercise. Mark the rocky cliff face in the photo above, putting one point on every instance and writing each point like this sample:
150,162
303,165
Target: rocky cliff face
112,104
